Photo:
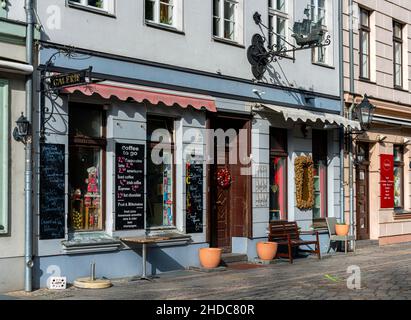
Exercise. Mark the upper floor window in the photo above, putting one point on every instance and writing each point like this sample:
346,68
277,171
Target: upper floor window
398,53
365,43
319,13
103,5
277,22
227,19
164,12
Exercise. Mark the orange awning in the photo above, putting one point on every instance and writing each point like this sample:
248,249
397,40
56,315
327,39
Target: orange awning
140,94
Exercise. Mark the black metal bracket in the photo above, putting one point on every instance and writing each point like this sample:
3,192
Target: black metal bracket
260,56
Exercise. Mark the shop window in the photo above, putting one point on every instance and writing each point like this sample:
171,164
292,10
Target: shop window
227,18
4,156
398,177
278,22
164,12
160,172
278,174
103,5
86,167
320,173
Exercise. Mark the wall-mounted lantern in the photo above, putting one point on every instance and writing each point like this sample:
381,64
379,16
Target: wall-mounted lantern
365,113
21,131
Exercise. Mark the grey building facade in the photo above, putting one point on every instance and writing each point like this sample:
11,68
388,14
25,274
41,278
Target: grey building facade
180,67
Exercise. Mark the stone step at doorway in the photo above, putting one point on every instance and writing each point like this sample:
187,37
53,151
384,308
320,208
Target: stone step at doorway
230,258
360,244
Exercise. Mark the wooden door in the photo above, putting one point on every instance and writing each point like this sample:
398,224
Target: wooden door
222,210
230,207
362,205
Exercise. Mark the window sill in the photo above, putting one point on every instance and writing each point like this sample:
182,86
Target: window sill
90,9
402,215
163,27
324,65
400,89
86,242
366,80
229,42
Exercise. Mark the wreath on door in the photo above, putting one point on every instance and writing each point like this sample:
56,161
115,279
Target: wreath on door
224,178
304,182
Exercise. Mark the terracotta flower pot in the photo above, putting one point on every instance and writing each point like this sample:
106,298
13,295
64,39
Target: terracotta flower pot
210,257
342,229
267,250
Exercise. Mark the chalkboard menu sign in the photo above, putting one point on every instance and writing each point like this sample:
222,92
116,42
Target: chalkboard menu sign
194,194
52,191
129,186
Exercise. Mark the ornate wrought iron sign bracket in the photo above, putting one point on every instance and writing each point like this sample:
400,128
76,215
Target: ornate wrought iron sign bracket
307,35
52,83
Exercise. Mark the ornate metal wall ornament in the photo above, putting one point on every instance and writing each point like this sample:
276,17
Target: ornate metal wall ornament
307,34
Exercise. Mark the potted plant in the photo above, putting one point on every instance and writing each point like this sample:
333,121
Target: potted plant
267,250
342,229
210,257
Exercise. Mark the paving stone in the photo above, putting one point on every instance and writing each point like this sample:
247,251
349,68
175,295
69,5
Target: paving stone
385,274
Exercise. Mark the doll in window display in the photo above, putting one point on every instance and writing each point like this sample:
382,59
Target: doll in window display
92,198
77,215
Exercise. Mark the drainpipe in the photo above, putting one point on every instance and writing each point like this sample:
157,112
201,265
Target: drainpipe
28,254
350,116
342,131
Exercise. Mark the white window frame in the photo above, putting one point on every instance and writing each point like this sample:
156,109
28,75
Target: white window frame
238,21
4,156
177,19
273,15
404,57
108,5
327,22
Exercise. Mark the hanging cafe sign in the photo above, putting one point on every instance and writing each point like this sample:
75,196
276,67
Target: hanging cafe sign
307,34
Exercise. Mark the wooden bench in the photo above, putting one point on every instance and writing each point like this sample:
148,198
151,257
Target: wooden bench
287,234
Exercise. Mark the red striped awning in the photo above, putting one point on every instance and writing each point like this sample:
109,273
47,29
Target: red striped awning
154,96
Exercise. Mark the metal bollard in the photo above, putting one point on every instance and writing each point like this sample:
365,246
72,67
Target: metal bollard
93,271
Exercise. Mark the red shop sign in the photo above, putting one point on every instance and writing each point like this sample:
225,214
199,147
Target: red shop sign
387,181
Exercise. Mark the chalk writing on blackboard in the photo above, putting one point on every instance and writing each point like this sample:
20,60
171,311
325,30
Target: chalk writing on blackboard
52,191
129,186
194,197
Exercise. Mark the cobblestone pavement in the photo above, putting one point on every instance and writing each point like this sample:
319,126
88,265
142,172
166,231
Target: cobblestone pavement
385,274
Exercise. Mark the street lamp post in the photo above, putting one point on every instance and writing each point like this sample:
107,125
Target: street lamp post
364,113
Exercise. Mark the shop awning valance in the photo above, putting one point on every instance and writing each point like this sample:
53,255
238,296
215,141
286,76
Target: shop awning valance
313,116
139,94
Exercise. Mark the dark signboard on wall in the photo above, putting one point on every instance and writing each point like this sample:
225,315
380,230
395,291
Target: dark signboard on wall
387,181
52,191
129,181
71,79
194,200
